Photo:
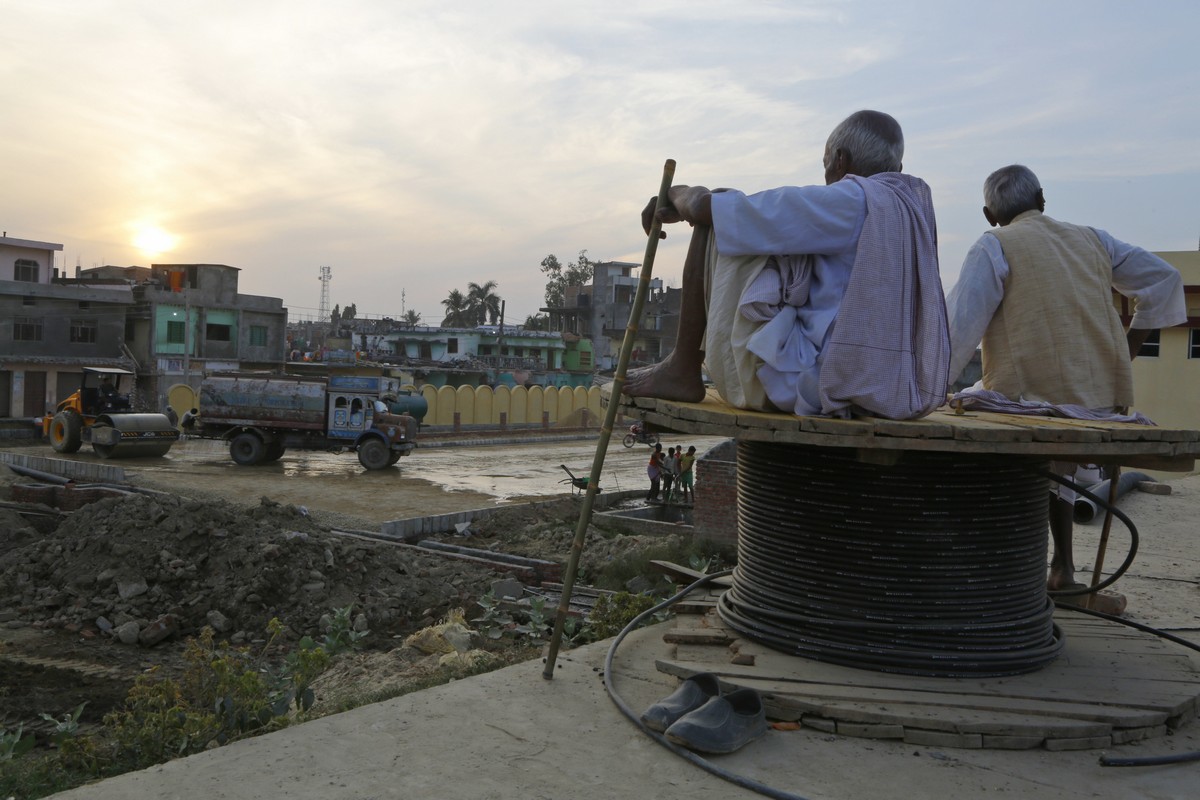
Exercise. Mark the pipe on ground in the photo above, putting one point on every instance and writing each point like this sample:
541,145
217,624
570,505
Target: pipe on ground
1085,509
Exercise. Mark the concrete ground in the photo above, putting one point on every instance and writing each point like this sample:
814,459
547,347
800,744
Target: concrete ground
513,734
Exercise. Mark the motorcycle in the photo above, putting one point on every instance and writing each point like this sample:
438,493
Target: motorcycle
638,434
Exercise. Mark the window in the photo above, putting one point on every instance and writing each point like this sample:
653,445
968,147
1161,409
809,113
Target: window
83,331
28,300
85,305
425,350
129,329
175,334
27,329
452,345
217,333
1194,343
26,270
258,335
1150,346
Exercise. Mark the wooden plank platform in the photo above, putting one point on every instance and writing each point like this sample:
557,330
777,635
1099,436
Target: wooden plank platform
1124,443
1112,684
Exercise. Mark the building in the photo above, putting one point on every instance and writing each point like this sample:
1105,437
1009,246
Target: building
188,319
1166,373
50,328
600,313
489,355
169,323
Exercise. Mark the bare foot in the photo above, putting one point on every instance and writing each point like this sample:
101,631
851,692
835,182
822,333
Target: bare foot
670,379
1061,579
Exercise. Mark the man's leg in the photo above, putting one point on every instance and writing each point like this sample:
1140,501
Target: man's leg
1062,563
678,376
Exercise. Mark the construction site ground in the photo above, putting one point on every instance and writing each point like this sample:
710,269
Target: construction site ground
197,540
507,733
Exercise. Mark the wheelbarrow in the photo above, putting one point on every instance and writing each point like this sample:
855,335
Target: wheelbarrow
576,483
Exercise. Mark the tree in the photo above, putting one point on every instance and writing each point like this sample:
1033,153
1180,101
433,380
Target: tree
577,273
537,322
412,318
349,312
483,304
456,311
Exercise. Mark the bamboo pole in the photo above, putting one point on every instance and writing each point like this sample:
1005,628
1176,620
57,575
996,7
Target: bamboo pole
585,513
1113,479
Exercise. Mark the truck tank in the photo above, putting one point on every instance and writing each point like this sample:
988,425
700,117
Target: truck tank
286,401
415,405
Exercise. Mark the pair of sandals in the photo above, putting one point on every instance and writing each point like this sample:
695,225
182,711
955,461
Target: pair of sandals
700,718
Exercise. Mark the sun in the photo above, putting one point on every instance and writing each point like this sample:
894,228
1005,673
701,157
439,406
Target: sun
153,240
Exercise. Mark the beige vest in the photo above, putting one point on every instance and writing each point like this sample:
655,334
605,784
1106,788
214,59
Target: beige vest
1056,336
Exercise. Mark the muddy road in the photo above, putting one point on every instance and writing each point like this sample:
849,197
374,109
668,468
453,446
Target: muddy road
433,480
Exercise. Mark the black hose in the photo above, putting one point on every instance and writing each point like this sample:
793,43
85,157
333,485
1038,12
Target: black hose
1116,512
699,761
1144,761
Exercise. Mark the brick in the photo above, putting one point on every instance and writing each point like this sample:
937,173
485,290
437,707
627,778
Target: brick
942,738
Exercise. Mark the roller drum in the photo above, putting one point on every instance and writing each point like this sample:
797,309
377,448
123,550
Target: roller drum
132,435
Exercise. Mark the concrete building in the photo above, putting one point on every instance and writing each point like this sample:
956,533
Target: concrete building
600,312
1166,373
51,327
187,319
168,322
487,355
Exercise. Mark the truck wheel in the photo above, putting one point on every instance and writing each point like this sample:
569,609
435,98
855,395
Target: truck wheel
273,452
64,432
246,449
374,454
394,457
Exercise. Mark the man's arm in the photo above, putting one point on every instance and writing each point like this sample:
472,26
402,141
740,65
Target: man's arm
690,204
974,299
1155,287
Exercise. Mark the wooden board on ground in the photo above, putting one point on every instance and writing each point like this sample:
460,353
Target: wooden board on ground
1111,684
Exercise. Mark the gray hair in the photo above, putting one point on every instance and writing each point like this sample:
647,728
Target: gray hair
1010,190
873,141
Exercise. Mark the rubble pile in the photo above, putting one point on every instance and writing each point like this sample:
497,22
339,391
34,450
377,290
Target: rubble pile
144,567
547,531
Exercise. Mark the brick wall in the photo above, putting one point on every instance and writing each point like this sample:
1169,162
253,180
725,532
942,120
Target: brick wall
714,514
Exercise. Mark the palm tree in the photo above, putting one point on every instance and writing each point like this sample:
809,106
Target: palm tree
457,310
483,304
412,318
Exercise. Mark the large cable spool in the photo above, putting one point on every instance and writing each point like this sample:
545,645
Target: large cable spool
934,565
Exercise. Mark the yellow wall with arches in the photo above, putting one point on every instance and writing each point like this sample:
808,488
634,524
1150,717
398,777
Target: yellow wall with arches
483,405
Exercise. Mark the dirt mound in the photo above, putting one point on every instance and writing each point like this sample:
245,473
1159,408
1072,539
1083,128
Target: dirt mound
547,531
141,558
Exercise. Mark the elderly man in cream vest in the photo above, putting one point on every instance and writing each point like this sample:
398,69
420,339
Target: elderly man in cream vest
1038,293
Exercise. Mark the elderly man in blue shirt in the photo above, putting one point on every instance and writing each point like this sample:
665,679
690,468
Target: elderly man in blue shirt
812,299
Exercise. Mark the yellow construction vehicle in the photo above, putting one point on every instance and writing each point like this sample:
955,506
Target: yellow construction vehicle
100,413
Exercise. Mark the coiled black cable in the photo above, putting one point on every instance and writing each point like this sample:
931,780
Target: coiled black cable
688,755
934,565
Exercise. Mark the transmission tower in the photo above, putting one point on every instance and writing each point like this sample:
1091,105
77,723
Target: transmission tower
323,311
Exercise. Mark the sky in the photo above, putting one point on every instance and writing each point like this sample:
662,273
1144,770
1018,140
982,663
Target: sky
414,147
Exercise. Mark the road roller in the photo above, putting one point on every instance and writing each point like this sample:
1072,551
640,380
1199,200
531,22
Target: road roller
101,414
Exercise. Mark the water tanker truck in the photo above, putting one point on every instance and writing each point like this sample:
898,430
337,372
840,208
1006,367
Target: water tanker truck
261,416
101,413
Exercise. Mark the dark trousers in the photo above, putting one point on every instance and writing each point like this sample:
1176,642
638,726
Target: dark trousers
653,494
